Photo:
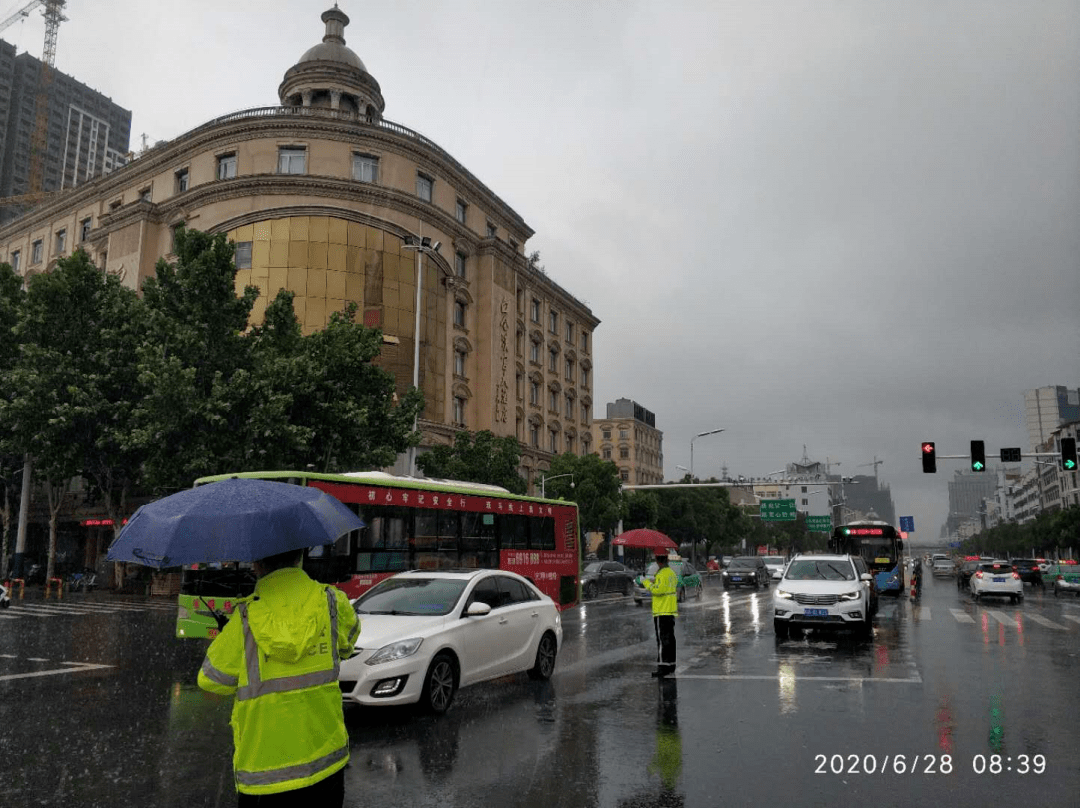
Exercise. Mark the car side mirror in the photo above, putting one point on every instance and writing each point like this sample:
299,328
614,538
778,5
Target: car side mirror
866,577
477,609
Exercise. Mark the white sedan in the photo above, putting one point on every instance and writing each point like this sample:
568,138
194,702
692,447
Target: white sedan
996,578
425,634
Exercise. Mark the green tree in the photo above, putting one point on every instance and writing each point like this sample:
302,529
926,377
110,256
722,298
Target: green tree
11,463
70,393
642,509
596,489
479,457
703,518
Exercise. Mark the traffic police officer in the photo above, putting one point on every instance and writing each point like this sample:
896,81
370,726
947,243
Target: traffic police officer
665,607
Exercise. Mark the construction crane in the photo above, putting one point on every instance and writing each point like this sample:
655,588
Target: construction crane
875,464
39,140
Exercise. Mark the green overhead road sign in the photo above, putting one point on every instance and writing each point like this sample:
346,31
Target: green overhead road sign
777,510
819,524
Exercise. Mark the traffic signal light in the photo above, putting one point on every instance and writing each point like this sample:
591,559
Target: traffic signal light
1068,454
978,455
929,457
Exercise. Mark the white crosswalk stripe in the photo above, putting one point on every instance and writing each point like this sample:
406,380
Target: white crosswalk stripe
962,616
1042,621
74,609
1002,618
1072,617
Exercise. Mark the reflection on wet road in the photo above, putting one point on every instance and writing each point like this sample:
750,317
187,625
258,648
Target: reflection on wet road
946,702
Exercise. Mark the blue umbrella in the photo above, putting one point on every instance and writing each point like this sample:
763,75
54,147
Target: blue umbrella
238,519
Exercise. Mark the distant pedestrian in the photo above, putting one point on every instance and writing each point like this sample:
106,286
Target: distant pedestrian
665,607
279,656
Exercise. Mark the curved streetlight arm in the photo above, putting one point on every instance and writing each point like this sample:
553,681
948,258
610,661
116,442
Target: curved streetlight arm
543,482
699,435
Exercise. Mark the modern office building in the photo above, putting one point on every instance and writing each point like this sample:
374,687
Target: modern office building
1046,409
628,437
87,134
325,197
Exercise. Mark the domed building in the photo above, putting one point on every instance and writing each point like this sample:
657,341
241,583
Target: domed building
325,197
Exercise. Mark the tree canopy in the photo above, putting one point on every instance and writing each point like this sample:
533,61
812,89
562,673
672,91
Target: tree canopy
479,457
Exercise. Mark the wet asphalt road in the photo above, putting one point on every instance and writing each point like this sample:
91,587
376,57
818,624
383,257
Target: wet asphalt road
98,707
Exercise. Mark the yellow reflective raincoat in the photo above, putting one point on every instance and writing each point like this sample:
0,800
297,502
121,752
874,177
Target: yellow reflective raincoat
665,591
279,655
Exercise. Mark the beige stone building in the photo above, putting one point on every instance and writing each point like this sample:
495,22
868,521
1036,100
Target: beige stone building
321,194
629,438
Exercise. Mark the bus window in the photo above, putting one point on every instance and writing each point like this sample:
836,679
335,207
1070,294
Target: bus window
384,544
542,533
513,532
478,546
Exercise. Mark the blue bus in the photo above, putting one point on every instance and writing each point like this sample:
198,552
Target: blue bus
880,546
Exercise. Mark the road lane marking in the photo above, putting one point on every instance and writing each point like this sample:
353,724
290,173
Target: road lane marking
22,611
1002,618
1042,621
962,616
1072,617
37,659
777,677
73,667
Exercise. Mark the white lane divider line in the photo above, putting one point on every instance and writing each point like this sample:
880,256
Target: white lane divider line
1042,621
962,616
72,667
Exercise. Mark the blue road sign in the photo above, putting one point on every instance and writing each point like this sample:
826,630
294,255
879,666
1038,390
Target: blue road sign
907,523
954,544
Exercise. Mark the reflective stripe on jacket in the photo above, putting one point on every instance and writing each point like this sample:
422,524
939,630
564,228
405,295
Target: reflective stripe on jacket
280,659
664,589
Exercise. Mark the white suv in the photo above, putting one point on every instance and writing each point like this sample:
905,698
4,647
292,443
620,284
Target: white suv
822,591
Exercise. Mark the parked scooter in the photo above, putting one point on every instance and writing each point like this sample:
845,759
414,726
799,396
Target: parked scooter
84,581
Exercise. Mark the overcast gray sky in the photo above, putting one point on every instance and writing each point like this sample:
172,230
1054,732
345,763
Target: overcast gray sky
851,225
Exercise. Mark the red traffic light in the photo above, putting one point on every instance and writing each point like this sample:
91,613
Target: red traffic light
929,457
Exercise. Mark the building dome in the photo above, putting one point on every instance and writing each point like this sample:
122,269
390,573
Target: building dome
330,75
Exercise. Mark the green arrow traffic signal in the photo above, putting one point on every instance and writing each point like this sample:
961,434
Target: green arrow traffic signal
978,455
1068,454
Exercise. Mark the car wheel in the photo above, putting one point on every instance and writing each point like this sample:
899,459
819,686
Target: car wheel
440,684
637,602
590,590
865,629
545,657
728,586
781,629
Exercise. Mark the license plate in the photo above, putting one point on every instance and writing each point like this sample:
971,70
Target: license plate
736,578
815,612
999,580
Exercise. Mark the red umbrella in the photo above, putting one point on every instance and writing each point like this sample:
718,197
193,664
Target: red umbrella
644,537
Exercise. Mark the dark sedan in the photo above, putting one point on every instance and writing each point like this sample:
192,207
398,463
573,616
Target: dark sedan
1028,569
606,576
964,573
746,571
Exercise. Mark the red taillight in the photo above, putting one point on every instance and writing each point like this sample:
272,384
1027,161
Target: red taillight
1016,575
978,574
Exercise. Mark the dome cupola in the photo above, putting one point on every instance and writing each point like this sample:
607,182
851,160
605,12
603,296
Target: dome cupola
331,76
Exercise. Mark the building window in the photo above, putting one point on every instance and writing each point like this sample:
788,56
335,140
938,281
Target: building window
459,264
553,401
534,352
145,195
624,453
607,454
243,255
534,393
569,443
519,344
519,386
365,168
553,441
553,360
424,186
15,256
569,332
459,363
292,160
553,322
584,377
584,413
607,434
492,230
181,180
460,210
569,370
459,314
35,252
115,204
623,434
84,228
569,407
625,475
459,410
226,166
584,340
534,436
61,241
513,245
534,315
173,232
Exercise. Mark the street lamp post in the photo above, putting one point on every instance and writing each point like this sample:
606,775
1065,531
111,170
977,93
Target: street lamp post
543,482
421,245
699,435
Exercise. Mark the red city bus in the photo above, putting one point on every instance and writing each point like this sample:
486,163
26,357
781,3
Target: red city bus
441,524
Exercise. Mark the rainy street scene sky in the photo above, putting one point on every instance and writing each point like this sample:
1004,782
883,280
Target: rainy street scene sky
811,266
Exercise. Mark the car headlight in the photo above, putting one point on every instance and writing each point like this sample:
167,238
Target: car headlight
784,595
894,579
394,651
724,573
851,595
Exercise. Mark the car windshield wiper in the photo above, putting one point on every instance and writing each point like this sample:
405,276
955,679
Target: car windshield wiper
397,612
